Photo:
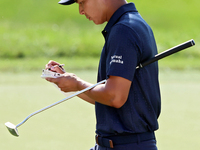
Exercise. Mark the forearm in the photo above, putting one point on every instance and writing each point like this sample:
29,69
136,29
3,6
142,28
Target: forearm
97,94
100,95
82,85
84,97
113,93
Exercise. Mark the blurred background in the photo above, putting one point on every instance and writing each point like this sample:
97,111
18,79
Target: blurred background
34,32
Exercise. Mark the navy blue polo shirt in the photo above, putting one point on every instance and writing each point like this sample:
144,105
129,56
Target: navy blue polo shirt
129,40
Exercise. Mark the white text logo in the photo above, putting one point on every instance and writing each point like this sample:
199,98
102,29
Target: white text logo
116,59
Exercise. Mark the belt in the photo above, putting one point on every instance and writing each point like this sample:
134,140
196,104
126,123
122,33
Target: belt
111,141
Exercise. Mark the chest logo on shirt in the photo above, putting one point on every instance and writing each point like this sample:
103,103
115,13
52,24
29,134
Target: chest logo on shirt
116,59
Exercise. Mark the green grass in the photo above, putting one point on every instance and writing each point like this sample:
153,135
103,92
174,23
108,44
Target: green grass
71,125
32,33
31,29
47,40
30,64
58,128
180,107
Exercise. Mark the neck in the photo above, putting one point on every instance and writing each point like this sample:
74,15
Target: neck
112,6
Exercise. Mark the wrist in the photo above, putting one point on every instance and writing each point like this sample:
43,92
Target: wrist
81,84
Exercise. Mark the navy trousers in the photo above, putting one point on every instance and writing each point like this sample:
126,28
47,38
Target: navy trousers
145,145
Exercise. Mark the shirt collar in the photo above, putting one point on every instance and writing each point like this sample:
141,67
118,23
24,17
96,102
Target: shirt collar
123,9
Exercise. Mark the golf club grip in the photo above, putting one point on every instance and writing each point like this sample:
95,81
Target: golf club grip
168,52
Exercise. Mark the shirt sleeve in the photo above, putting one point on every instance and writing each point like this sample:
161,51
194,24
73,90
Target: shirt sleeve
123,49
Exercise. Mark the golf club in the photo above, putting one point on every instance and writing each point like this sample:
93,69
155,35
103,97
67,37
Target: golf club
13,128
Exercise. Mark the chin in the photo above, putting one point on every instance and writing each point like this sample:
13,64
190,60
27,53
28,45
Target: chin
98,22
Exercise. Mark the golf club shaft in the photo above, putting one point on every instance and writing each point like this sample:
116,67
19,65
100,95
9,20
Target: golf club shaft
54,104
156,58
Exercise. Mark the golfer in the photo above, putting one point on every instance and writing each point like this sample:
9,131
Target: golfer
128,105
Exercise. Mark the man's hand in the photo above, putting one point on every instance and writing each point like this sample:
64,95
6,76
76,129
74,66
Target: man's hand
67,83
55,67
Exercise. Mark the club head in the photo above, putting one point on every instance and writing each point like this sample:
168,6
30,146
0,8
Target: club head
12,128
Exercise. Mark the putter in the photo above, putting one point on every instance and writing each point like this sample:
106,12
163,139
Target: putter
13,128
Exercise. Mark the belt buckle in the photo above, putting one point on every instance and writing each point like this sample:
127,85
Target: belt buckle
97,139
110,142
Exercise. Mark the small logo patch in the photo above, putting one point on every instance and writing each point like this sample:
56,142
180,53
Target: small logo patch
116,59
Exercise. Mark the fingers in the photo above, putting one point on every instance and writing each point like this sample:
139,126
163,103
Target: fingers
53,80
55,67
51,63
67,83
62,83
